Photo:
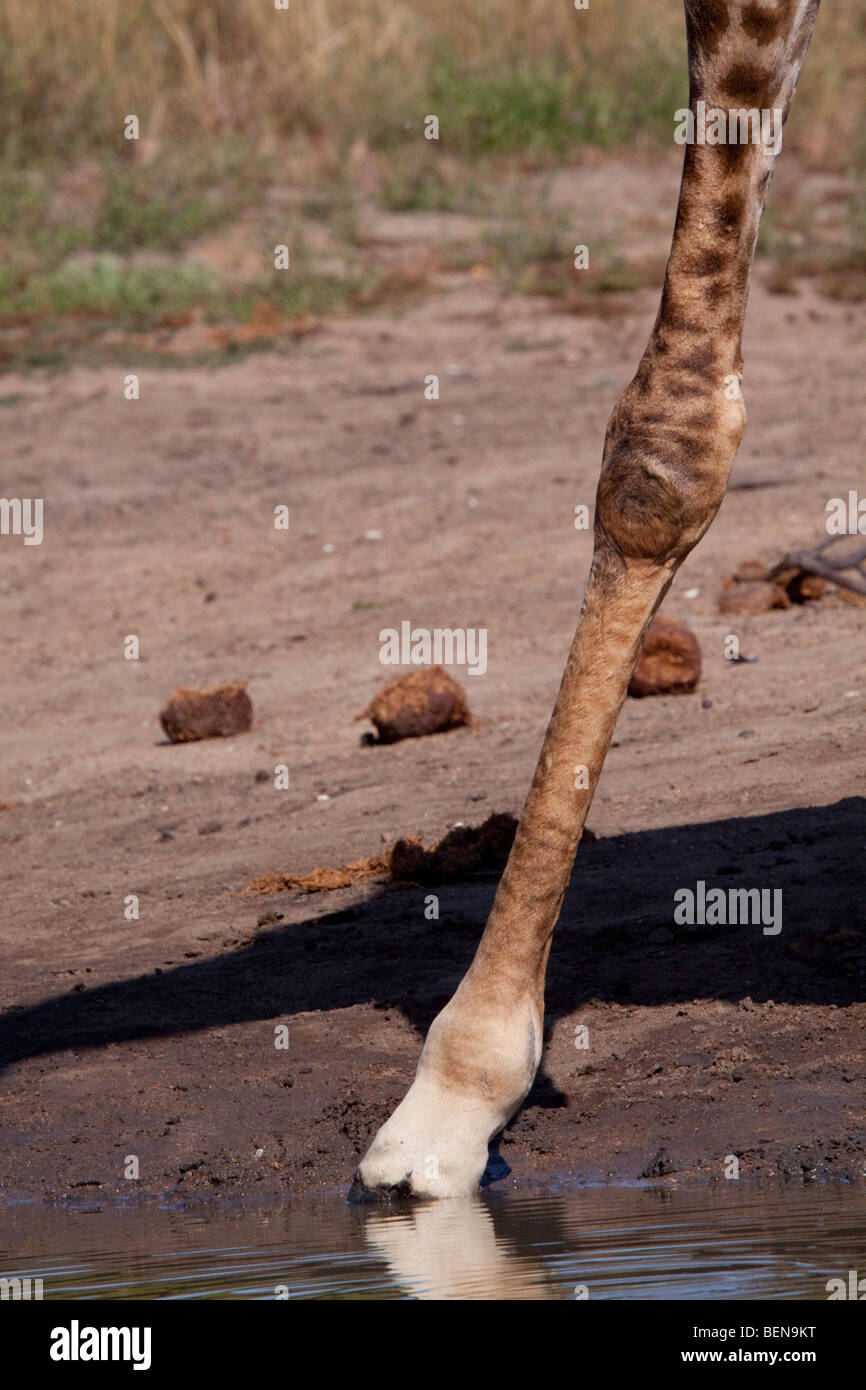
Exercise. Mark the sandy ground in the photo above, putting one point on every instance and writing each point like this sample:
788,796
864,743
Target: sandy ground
156,1037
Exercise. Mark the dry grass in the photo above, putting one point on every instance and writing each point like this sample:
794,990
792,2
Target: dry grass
287,125
515,72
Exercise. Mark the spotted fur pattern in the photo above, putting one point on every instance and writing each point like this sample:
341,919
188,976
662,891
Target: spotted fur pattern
674,433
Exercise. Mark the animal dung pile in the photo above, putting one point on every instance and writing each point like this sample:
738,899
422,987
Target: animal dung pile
214,711
324,880
465,850
755,588
800,585
750,596
669,662
427,701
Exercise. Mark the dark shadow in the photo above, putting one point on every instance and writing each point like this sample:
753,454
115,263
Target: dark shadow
616,941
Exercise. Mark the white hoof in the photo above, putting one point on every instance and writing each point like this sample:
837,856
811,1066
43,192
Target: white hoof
472,1076
434,1145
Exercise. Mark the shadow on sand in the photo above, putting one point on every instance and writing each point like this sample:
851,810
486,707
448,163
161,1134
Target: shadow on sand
616,942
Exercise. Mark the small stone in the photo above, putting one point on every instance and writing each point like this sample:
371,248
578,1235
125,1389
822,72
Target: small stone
268,919
660,1167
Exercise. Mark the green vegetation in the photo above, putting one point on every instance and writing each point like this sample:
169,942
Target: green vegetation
296,126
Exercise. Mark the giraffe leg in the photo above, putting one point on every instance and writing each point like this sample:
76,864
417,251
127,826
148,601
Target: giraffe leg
670,445
483,1049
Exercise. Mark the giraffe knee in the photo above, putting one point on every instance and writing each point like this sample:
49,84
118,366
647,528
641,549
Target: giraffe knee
652,506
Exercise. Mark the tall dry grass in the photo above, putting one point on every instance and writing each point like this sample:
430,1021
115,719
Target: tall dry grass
339,71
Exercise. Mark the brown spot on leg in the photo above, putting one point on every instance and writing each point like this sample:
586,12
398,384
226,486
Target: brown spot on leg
701,359
704,263
707,21
763,25
675,319
673,316
680,389
729,213
705,421
746,82
730,156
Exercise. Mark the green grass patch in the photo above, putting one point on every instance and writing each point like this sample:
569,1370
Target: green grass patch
107,288
545,110
144,297
423,182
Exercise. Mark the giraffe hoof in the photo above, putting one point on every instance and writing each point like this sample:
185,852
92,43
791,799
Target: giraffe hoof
434,1145
360,1194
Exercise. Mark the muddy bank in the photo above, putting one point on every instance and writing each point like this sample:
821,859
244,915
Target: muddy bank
702,1043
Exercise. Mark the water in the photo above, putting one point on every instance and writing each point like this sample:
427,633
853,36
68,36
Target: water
643,1243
